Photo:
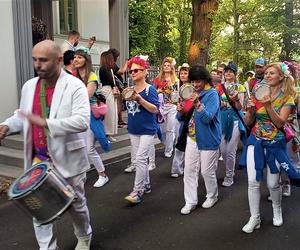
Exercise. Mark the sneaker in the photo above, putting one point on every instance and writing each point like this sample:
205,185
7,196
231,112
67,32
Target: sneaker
187,209
220,158
134,197
174,175
253,223
209,202
151,165
147,189
269,198
102,180
277,217
130,169
112,139
228,182
286,190
83,244
168,155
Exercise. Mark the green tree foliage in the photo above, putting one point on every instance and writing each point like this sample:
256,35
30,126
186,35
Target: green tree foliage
246,29
159,28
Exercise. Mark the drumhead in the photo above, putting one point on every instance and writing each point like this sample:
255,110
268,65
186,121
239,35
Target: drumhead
260,91
30,179
174,97
127,93
186,92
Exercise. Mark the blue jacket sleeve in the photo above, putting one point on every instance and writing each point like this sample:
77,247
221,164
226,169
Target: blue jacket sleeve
180,116
211,107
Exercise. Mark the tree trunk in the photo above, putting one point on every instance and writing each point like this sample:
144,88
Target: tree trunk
203,10
287,36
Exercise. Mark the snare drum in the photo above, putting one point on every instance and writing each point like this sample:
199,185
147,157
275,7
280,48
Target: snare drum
260,91
42,192
127,93
186,91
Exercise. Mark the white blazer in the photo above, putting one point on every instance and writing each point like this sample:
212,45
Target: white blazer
68,119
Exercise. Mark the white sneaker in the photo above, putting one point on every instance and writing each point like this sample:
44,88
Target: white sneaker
112,139
83,244
209,202
168,155
228,182
286,190
187,209
277,217
130,169
174,175
151,165
102,180
253,223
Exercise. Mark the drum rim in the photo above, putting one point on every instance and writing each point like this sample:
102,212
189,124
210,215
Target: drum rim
188,85
127,90
54,217
21,195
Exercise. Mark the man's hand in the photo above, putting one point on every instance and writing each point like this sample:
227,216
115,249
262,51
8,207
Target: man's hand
3,131
34,119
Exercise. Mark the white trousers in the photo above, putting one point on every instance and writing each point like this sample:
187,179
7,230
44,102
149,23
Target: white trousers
46,235
152,152
111,118
168,127
254,186
94,157
207,161
140,145
228,150
178,162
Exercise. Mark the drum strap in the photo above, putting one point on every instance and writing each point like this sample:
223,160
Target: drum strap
45,109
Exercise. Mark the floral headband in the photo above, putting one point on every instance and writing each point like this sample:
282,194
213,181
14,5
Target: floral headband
285,69
85,50
140,60
170,60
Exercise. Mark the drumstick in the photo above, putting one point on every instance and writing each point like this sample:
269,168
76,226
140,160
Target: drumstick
248,92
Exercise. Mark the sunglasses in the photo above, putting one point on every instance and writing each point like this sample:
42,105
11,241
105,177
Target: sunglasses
134,71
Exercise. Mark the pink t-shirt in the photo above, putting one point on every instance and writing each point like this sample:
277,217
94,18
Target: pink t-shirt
39,138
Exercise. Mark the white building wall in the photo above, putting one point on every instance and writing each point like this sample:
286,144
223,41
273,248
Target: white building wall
8,81
93,20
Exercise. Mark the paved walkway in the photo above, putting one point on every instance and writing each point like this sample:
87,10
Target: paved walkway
156,223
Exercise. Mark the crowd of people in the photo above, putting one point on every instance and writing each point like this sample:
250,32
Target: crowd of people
200,116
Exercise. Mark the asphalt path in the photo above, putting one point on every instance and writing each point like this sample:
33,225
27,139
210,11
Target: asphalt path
156,223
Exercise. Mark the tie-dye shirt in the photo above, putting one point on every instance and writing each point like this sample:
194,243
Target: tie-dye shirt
264,128
166,88
239,87
93,78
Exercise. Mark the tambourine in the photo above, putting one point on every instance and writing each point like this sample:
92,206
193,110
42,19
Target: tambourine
260,91
174,97
186,91
128,92
231,89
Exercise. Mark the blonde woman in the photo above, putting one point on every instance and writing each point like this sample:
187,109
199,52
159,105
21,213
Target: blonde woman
166,84
266,146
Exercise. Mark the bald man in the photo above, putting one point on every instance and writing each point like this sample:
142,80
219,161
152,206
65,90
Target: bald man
56,135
